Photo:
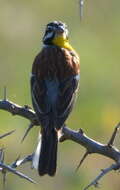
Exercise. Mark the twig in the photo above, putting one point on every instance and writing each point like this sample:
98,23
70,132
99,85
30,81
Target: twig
14,165
2,157
112,139
105,171
19,161
91,145
6,134
22,111
4,168
12,170
79,137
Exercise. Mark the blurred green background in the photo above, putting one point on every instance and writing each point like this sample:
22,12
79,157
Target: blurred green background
97,111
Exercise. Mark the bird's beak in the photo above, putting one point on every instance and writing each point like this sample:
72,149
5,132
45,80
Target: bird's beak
60,30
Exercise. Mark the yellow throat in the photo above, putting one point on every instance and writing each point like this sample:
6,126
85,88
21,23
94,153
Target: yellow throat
62,42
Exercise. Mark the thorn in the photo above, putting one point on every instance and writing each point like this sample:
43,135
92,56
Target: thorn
6,134
27,107
97,185
112,139
28,158
81,9
14,164
2,155
19,161
81,161
4,179
81,131
105,171
27,131
5,93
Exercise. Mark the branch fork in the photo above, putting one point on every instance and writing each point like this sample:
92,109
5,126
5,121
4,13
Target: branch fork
4,168
91,146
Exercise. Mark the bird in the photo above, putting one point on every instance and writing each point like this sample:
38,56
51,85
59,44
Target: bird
54,86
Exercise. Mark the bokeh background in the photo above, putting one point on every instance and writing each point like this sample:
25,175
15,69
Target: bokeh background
97,111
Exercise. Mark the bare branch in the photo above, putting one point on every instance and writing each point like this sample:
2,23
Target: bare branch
5,168
15,109
79,137
95,182
12,170
91,145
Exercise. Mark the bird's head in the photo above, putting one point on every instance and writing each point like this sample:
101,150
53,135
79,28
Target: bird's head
56,33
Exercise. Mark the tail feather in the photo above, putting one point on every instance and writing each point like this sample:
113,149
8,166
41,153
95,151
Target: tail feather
53,155
46,153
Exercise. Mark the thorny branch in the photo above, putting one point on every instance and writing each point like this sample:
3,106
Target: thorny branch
79,137
103,172
11,168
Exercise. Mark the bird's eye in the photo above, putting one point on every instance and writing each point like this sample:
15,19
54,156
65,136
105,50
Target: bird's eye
49,30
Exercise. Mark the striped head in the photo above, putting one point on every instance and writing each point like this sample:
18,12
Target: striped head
55,32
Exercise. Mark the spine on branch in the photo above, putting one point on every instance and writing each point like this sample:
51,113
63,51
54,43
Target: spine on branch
79,137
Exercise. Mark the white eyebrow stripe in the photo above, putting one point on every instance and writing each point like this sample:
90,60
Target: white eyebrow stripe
49,27
48,35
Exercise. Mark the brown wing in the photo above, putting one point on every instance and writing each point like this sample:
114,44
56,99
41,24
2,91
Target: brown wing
54,63
66,99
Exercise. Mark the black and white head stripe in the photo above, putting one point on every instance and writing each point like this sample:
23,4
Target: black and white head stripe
57,25
52,28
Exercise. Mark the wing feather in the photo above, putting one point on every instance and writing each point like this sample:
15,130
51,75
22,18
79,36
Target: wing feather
66,99
51,64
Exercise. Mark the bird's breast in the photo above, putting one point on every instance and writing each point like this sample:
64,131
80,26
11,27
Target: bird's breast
55,62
